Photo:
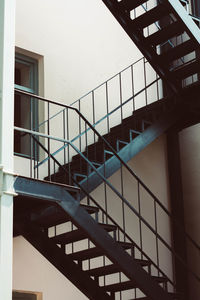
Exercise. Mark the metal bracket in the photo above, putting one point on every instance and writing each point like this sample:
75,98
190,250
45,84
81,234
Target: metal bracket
7,179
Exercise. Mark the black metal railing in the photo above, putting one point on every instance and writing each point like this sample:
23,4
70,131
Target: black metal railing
191,8
115,99
123,197
104,100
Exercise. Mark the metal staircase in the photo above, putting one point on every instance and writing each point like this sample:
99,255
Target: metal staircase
127,139
152,24
99,253
41,206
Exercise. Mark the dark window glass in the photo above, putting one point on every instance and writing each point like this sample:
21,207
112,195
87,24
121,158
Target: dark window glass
196,8
25,108
23,296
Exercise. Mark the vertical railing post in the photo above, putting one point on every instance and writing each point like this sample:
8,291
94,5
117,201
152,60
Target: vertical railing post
7,43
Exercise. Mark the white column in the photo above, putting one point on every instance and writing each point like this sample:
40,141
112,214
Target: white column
7,42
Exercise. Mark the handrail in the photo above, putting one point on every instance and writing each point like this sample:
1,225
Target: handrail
113,189
118,157
195,18
101,208
100,120
137,61
97,87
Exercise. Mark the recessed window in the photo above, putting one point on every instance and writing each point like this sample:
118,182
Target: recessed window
25,109
196,8
24,296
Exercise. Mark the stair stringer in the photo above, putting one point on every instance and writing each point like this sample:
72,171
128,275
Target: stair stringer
191,28
62,262
112,165
57,194
139,40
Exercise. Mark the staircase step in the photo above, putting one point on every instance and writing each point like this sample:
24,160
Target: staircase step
122,286
127,285
59,177
178,51
78,235
121,144
150,16
53,216
173,295
130,4
186,70
165,33
95,252
111,269
94,153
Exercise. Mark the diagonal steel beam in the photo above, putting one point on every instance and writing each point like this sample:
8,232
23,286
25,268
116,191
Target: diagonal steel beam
112,165
62,262
95,233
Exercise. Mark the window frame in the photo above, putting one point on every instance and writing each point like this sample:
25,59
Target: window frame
33,89
25,294
195,5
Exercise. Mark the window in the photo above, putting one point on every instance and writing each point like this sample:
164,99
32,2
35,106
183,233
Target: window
25,110
26,296
196,8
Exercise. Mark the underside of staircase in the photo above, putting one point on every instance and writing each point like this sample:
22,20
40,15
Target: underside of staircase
177,24
127,139
42,206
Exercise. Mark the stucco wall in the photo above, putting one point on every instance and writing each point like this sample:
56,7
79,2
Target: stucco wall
78,45
81,42
32,272
190,161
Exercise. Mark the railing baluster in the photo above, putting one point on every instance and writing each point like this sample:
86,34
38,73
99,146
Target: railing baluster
120,195
93,111
145,82
140,221
86,142
68,176
123,205
107,108
32,144
64,135
156,229
157,87
132,85
31,155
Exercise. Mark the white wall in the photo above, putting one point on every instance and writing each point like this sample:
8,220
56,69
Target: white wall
32,272
190,161
79,44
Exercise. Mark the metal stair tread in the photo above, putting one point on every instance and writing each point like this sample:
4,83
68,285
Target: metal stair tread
111,269
186,70
130,4
150,16
95,252
53,216
174,296
179,51
166,33
77,235
135,131
126,285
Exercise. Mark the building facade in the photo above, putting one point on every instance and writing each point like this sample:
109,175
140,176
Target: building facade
63,50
